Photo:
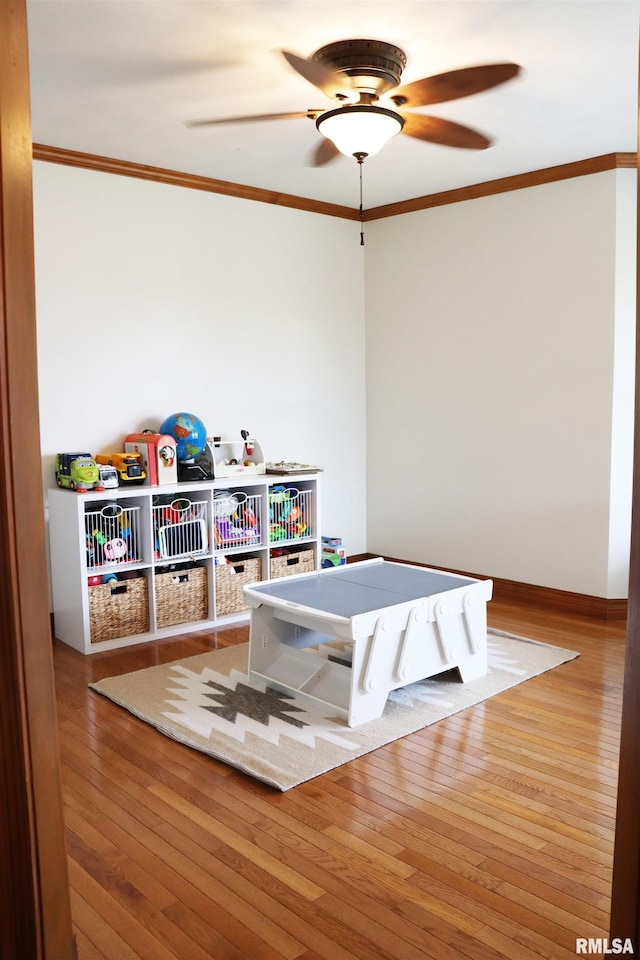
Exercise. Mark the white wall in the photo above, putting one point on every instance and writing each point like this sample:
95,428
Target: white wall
492,330
499,357
153,298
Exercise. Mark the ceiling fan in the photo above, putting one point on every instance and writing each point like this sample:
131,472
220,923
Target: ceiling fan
363,77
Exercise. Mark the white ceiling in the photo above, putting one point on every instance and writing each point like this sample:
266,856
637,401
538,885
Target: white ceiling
119,78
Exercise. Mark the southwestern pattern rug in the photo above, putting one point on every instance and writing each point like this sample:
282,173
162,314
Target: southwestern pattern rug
207,703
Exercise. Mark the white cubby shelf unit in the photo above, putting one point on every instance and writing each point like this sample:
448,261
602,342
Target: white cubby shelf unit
135,564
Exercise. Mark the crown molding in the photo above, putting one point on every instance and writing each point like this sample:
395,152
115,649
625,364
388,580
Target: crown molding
564,171
123,168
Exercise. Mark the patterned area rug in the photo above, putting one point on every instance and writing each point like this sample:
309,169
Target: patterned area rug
207,703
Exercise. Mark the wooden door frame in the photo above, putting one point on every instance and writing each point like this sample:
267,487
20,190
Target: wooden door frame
35,918
35,922
625,894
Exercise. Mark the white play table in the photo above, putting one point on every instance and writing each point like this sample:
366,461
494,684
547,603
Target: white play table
400,624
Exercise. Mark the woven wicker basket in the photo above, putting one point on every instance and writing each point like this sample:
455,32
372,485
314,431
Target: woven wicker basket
181,596
296,561
230,579
121,612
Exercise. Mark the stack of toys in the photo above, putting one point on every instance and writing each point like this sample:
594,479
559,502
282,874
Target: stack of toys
333,552
286,513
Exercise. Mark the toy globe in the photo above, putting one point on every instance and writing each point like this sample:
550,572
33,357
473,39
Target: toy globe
188,431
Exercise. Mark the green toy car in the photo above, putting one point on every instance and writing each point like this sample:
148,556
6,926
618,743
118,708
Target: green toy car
77,471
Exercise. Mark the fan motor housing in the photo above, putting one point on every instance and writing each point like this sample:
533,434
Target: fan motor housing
375,65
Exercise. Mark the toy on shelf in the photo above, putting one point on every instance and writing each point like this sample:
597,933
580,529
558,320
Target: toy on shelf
128,466
199,469
159,455
189,433
111,535
115,581
107,477
77,471
288,510
96,579
179,527
236,518
190,436
290,466
232,458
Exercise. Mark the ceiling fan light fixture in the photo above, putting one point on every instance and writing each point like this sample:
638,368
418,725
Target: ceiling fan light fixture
360,129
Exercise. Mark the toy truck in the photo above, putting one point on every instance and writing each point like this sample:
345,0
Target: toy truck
108,476
128,466
77,471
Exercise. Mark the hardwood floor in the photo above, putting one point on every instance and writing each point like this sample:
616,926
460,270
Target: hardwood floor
487,835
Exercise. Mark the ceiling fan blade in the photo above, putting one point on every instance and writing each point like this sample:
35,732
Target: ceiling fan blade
312,114
445,132
325,152
335,86
453,85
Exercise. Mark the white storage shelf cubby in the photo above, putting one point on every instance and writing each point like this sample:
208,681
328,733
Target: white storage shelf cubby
133,565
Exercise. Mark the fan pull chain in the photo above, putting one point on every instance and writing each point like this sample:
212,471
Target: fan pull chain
360,158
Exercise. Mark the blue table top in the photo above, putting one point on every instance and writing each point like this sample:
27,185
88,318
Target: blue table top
360,587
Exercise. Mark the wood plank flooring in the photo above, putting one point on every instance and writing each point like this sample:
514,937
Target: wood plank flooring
487,835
